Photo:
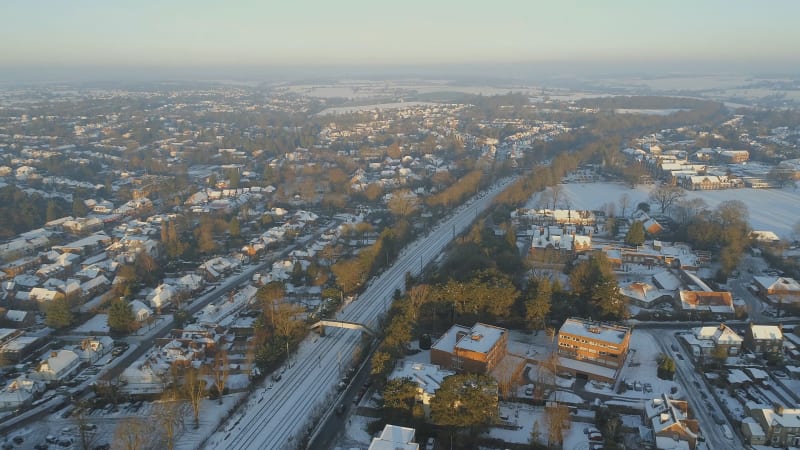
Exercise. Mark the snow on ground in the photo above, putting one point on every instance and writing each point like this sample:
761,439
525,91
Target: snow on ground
770,209
520,418
733,405
536,345
641,367
355,434
97,324
211,415
373,107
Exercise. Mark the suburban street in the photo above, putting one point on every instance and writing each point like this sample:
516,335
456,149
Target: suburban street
278,415
693,384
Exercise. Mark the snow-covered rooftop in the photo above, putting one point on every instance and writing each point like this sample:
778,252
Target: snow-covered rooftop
598,331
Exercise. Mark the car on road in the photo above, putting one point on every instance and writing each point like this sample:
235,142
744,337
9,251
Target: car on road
726,431
341,409
718,419
680,356
674,347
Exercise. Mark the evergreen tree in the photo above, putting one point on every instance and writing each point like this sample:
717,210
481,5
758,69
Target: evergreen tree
465,401
58,314
635,234
538,306
120,317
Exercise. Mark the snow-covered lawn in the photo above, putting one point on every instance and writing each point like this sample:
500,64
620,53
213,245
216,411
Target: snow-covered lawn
642,367
97,324
770,209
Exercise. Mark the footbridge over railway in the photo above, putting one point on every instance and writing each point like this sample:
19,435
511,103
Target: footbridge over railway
320,326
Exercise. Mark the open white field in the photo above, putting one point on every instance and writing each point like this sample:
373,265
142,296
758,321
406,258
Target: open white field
775,210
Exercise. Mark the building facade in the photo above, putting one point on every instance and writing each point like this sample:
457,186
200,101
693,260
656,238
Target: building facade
593,349
477,349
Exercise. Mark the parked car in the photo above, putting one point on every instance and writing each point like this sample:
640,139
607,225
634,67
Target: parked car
726,431
529,390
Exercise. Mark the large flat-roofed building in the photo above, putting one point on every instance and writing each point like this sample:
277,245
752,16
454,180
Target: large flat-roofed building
593,350
478,349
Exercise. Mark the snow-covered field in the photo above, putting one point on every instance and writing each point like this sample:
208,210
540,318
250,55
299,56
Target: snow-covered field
380,106
774,210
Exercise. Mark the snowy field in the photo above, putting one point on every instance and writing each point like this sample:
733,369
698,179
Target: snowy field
379,106
774,210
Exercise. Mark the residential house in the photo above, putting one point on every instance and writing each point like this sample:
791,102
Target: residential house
21,347
764,339
669,420
140,311
93,348
59,365
20,393
752,431
781,426
705,341
593,350
19,319
394,437
477,349
162,296
564,239
716,303
427,377
778,289
645,295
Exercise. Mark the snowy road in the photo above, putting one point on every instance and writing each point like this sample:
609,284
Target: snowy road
693,385
276,417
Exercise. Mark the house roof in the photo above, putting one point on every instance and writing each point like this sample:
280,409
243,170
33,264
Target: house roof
701,300
787,418
61,359
594,330
427,376
394,437
766,332
778,283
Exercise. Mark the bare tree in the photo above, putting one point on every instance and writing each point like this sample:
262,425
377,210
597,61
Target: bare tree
133,433
418,296
556,192
194,387
545,375
624,203
403,203
558,420
86,435
220,371
169,416
666,196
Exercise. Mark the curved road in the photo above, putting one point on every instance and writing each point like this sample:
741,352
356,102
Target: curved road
277,417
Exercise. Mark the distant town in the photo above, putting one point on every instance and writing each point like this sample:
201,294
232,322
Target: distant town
399,265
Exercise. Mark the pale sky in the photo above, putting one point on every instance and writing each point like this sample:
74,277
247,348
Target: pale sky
180,33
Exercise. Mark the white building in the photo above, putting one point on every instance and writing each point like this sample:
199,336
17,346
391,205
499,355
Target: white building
58,366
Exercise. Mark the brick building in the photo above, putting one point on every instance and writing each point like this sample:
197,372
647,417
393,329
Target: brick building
478,349
593,350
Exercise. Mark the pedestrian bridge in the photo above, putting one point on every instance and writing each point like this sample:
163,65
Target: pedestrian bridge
341,324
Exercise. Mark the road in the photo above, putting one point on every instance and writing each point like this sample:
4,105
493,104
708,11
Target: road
277,418
703,410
